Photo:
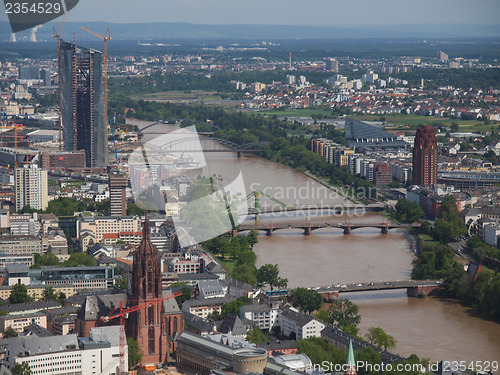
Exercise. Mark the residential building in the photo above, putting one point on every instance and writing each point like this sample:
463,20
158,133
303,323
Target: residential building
492,234
118,183
208,289
382,174
298,326
31,188
21,321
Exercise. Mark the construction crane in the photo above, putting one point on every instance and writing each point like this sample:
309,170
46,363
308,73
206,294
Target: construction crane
123,313
105,38
58,36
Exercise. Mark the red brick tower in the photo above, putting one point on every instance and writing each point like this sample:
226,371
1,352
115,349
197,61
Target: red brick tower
148,326
425,157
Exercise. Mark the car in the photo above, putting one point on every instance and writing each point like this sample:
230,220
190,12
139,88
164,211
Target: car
343,286
387,283
371,284
328,287
439,282
337,286
359,285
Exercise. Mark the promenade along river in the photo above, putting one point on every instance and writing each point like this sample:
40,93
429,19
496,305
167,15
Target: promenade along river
430,327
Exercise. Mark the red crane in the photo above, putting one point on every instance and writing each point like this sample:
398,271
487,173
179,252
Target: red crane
122,314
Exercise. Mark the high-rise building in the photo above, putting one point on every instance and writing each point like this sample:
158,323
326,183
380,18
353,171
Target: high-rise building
443,57
29,72
82,92
45,76
31,187
154,327
332,65
117,198
382,175
425,157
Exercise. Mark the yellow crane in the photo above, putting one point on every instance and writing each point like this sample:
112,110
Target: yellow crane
58,36
105,38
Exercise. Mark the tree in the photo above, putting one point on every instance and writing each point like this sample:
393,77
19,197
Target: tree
408,211
378,337
48,259
233,307
269,274
344,315
22,369
307,300
252,238
245,273
134,210
19,294
79,259
134,353
9,332
187,294
255,335
49,293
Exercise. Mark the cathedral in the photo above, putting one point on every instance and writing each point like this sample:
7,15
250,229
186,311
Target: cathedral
154,327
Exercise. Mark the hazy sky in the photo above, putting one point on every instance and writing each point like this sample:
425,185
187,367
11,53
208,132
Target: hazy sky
305,12
288,12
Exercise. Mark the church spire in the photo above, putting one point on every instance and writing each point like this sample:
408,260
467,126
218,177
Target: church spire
351,363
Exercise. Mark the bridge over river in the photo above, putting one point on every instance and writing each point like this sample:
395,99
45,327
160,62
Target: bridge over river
414,288
308,228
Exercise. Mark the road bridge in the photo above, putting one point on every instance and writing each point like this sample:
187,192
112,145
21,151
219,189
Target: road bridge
308,228
414,288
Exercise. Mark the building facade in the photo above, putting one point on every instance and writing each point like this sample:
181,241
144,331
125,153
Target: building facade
84,122
117,194
31,188
425,157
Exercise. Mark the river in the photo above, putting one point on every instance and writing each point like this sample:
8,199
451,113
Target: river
432,327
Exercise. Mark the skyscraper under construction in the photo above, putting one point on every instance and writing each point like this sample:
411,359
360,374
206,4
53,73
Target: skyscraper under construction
84,123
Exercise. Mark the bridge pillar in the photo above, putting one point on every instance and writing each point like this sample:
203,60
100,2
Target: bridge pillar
307,231
419,291
257,218
347,230
385,230
269,232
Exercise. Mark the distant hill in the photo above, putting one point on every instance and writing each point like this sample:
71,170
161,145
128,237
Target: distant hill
163,31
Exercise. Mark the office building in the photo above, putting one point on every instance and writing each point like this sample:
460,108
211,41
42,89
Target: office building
63,160
98,354
118,183
82,91
425,157
332,65
45,77
20,245
31,188
29,72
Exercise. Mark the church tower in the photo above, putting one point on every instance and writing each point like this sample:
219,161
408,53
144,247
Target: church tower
351,363
148,326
